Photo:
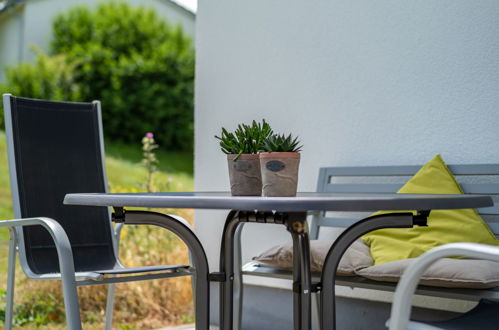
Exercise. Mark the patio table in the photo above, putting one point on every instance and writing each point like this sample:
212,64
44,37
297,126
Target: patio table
291,212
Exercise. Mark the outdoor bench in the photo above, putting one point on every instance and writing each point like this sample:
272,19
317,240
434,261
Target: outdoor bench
473,178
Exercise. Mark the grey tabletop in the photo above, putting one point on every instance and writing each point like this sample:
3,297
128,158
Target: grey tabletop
311,201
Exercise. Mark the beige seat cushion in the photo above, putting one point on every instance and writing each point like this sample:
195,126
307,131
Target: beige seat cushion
446,272
356,257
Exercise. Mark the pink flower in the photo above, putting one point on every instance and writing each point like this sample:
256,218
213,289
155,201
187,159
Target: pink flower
149,135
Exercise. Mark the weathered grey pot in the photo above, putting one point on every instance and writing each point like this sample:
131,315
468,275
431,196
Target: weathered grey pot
279,173
245,176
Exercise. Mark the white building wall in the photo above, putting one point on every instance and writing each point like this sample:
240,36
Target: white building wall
361,82
34,23
11,47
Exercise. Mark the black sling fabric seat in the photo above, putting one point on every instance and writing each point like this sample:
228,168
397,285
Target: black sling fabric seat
56,148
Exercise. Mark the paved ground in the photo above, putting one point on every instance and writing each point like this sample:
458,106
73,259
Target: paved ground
187,327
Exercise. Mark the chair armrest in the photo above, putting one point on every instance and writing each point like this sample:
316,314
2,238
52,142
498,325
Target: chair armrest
66,264
58,234
401,306
117,233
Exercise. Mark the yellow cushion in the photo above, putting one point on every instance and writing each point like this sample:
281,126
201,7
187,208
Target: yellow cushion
444,226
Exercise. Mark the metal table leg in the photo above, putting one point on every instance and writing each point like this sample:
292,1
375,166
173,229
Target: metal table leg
341,244
296,225
199,260
227,268
238,281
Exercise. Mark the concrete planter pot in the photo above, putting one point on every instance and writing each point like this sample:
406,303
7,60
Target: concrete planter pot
279,173
244,174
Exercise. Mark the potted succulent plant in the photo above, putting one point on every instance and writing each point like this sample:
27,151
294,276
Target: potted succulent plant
279,164
242,147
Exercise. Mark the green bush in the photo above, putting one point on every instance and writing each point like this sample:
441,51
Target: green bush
141,69
48,78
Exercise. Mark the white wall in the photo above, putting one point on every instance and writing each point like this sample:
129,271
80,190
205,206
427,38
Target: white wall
11,47
361,82
35,25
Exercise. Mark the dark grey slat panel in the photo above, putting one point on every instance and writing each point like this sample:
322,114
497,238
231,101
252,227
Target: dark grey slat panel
494,210
371,170
474,169
494,226
489,210
469,188
362,187
343,222
460,169
481,188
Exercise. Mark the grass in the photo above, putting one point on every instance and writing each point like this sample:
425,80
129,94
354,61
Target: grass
139,305
6,211
125,176
169,162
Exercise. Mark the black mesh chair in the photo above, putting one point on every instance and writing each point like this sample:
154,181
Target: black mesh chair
56,148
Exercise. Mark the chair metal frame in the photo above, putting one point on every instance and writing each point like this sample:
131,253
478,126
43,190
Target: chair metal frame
401,306
65,256
70,278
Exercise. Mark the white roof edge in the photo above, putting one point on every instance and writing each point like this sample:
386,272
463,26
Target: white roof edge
182,6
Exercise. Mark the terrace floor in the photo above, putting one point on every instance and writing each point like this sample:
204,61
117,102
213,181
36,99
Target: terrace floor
187,327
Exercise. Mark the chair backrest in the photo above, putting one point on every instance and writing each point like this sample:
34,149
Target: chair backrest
56,148
474,179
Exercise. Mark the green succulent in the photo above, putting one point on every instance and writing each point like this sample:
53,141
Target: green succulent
281,143
246,139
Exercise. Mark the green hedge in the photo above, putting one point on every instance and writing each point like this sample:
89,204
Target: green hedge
141,69
48,78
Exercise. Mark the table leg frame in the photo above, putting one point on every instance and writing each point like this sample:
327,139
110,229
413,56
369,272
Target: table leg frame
227,255
201,288
341,244
238,280
302,283
230,267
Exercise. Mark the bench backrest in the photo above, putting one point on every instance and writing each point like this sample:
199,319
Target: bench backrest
474,179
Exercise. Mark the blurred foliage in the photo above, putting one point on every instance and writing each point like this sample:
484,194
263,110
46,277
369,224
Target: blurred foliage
139,305
149,159
50,77
140,67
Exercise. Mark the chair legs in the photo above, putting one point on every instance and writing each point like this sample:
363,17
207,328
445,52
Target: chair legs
11,277
110,306
111,288
65,256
